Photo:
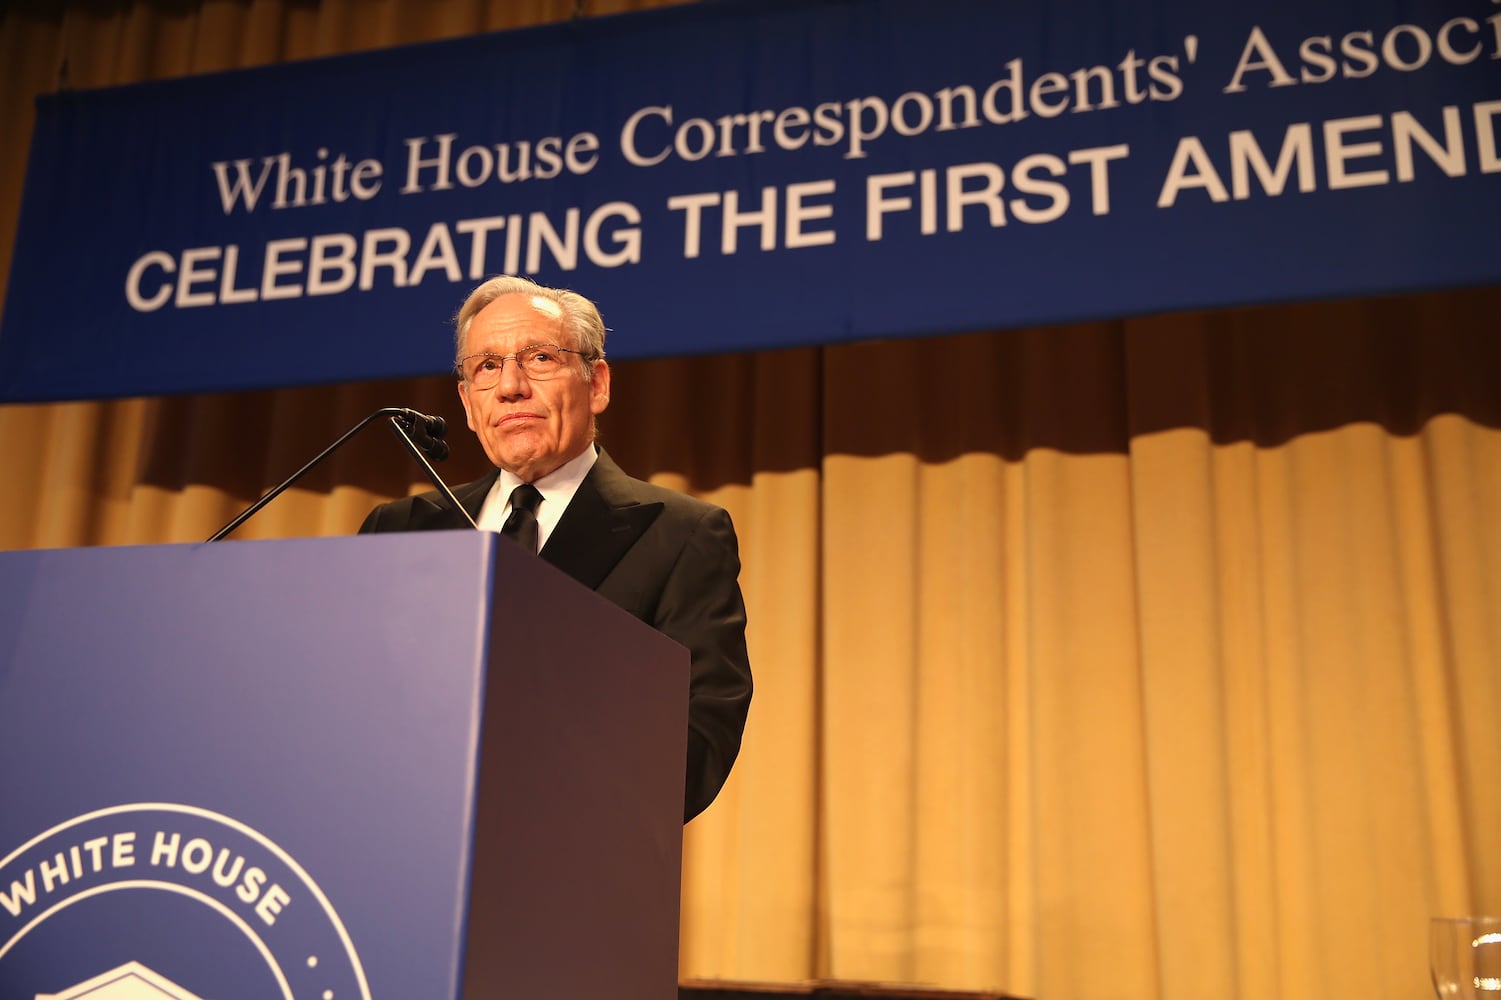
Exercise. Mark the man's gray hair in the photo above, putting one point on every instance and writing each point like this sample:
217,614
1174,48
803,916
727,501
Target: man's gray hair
581,320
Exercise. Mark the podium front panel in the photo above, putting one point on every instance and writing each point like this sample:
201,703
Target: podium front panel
249,769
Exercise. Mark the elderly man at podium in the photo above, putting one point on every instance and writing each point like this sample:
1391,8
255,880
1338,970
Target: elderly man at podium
532,378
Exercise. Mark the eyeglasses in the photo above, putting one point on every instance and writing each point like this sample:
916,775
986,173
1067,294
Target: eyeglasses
539,361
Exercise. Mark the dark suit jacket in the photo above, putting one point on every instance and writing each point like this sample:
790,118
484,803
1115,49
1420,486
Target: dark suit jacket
670,560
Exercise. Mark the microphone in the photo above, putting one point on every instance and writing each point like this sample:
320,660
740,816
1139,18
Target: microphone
421,434
426,432
411,419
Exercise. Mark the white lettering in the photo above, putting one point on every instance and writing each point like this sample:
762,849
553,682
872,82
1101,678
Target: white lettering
196,855
416,164
1258,55
564,249
693,205
1449,157
1023,180
394,256
1191,153
133,295
1099,159
123,854
241,188
54,874
798,213
250,887
223,877
333,251
628,136
20,896
228,293
480,230
192,274
437,253
735,220
1485,136
271,904
878,205
859,133
987,196
628,239
580,155
275,267
1338,153
1246,157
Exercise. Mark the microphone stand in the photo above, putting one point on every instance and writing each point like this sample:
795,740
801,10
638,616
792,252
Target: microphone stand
420,454
396,415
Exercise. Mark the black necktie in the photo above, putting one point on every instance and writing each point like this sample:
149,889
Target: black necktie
522,524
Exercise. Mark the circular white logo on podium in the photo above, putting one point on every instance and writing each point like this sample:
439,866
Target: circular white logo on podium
157,900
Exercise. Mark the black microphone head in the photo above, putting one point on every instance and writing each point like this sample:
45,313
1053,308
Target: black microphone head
421,423
436,449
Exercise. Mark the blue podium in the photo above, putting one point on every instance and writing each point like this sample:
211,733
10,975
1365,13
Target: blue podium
393,767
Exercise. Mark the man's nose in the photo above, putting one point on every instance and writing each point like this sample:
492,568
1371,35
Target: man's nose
513,381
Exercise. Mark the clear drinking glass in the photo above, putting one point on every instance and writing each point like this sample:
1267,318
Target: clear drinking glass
1464,955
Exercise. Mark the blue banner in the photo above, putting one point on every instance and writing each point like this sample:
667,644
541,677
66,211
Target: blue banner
744,176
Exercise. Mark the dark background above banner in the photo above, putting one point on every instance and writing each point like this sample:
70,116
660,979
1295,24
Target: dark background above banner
747,176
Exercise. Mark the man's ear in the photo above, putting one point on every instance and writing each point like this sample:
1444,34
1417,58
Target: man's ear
599,388
468,413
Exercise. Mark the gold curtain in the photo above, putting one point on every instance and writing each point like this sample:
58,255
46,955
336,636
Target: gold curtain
1146,659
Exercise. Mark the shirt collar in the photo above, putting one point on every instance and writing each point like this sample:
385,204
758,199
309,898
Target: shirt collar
557,489
559,484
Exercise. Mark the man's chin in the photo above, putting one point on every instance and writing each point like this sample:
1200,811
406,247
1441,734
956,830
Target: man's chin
513,452
528,468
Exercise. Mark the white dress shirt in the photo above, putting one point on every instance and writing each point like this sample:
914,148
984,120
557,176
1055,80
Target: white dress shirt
557,489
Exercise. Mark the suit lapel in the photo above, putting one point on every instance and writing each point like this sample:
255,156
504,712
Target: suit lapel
438,516
602,522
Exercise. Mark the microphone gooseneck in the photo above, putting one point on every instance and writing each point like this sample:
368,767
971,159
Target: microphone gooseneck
420,433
